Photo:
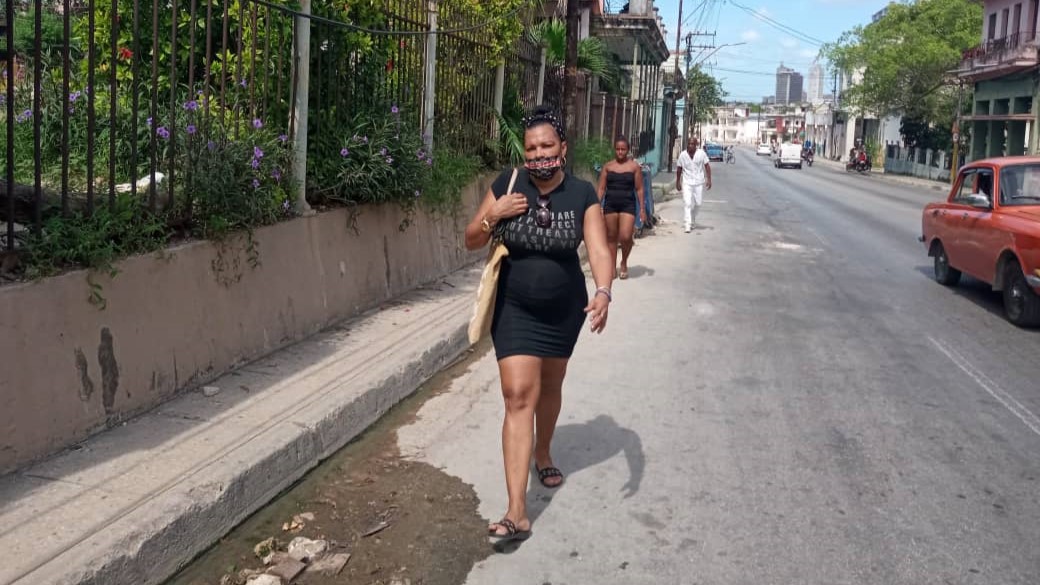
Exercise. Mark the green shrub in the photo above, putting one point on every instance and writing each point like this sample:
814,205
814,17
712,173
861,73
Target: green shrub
96,240
590,153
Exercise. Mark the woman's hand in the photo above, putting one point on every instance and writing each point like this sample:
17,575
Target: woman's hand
507,206
642,216
597,312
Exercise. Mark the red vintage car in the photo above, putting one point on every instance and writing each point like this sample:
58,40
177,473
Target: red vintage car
989,228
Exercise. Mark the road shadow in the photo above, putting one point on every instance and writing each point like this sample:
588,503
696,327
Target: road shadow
972,289
579,447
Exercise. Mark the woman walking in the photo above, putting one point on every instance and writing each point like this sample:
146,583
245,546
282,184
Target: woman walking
541,300
617,182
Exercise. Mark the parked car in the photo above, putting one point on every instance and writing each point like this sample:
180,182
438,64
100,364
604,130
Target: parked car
714,151
789,155
764,149
989,228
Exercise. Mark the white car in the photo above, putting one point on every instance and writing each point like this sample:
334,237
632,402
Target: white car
764,149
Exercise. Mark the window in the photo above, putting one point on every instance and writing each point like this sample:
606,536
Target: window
1004,23
1016,23
1020,185
992,26
975,182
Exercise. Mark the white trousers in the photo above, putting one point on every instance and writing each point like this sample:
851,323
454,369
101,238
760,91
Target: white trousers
692,196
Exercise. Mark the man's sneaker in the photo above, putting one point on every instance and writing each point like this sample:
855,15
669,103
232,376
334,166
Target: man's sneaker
688,229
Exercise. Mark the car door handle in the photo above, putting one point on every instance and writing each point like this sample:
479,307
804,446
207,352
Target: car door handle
935,212
965,216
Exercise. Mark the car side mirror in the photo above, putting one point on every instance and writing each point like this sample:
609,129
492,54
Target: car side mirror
978,200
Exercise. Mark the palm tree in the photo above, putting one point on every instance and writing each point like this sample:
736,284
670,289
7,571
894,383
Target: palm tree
593,59
593,56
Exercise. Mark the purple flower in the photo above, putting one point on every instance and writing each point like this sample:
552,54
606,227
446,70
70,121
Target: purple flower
211,145
24,116
389,160
276,174
257,153
191,106
255,163
256,183
163,132
429,162
418,194
286,206
421,154
344,152
394,110
74,96
149,121
258,124
283,138
382,151
243,82
191,129
364,139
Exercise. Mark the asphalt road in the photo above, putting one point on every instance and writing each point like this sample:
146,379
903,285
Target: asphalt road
783,396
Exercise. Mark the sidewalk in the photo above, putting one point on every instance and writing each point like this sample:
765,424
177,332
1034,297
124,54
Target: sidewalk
902,179
134,504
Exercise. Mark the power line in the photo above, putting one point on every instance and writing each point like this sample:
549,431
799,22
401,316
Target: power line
779,26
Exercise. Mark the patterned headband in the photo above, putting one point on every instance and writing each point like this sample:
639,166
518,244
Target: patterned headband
546,118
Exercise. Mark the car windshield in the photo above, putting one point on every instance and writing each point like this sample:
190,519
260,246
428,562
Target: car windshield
1020,185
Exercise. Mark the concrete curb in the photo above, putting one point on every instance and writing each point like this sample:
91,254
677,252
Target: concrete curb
316,400
901,179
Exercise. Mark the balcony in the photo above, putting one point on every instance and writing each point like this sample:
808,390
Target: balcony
999,57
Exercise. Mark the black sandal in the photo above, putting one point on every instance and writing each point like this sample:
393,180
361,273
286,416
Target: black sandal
512,532
544,474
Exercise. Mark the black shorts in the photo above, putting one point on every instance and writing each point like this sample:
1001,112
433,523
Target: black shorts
619,203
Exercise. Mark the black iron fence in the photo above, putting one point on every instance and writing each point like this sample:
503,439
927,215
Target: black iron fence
183,106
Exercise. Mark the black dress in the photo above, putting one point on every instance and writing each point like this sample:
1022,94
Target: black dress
620,194
541,297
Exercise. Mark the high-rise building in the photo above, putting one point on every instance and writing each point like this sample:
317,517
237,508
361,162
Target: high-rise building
788,85
815,83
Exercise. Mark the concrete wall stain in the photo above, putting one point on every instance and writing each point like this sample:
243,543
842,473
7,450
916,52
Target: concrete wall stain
109,370
86,389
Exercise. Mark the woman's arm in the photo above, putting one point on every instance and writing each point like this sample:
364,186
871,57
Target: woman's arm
601,187
640,195
600,261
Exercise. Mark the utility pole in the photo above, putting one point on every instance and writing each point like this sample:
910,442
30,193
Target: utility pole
570,80
954,164
673,123
694,93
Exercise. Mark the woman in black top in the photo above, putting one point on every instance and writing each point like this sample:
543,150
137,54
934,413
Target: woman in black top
618,180
541,300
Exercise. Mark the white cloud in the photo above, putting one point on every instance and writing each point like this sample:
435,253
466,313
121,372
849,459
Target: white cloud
788,43
807,54
763,11
750,35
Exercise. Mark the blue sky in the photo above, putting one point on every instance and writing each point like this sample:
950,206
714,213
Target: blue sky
765,45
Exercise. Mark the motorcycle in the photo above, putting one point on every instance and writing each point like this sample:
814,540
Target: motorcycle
807,156
860,165
730,157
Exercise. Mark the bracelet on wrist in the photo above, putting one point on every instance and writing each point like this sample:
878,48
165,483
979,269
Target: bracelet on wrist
605,292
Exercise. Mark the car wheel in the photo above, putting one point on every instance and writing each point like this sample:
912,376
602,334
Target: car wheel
799,167
945,274
1021,304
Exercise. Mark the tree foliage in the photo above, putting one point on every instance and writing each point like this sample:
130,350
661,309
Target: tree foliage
704,93
593,56
901,63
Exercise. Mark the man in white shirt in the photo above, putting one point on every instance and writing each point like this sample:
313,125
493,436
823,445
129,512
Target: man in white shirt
692,175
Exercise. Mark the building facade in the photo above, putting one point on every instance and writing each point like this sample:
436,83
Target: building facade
788,85
1003,71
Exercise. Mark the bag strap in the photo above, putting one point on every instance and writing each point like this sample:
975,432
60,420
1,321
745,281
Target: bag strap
500,228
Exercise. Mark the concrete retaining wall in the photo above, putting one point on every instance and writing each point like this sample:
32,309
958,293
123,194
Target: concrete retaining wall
173,321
